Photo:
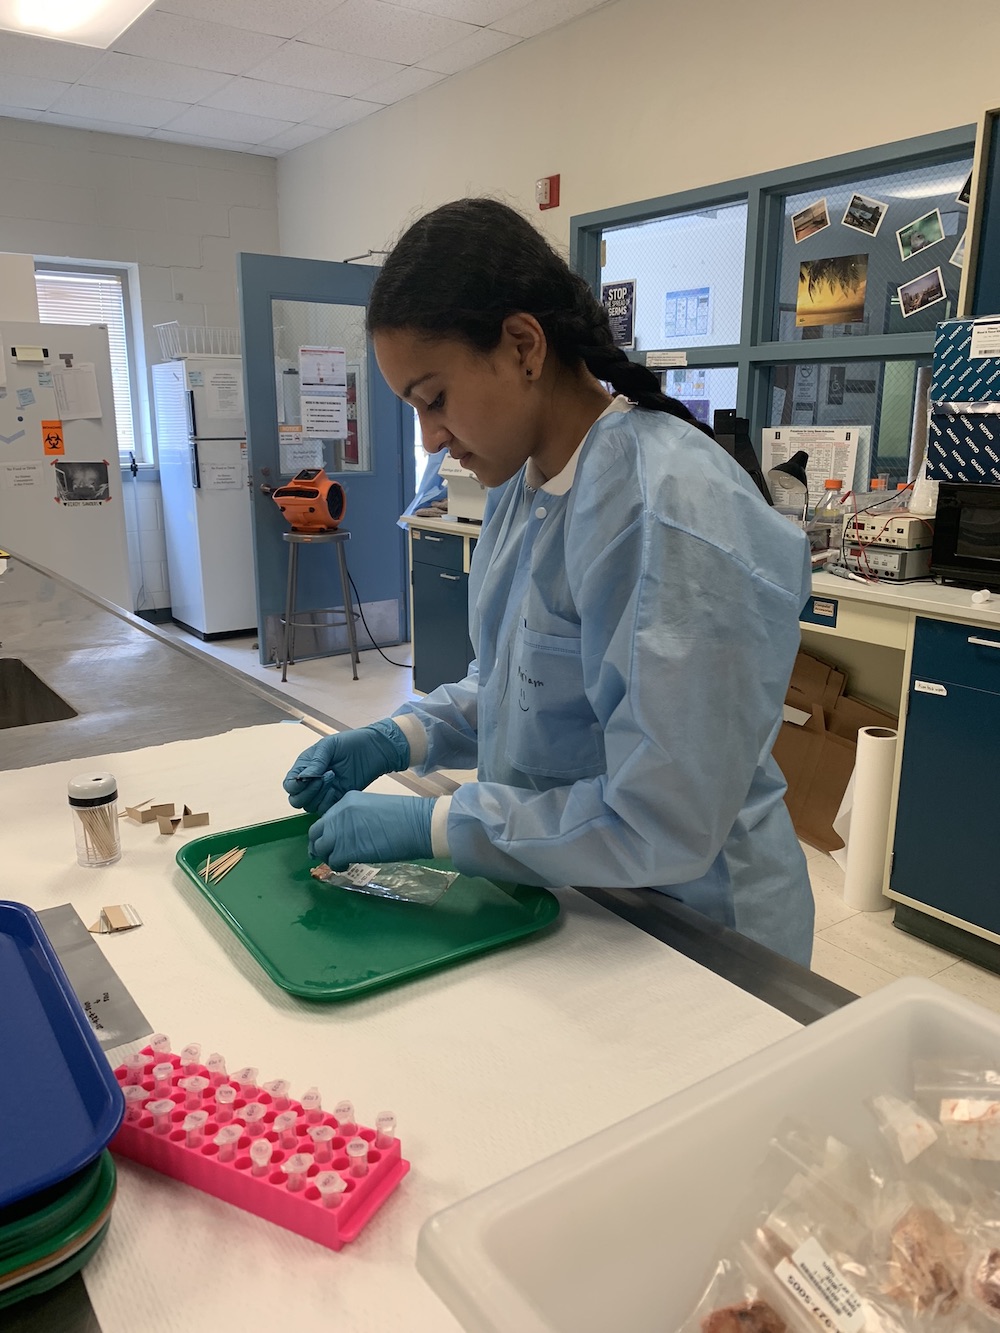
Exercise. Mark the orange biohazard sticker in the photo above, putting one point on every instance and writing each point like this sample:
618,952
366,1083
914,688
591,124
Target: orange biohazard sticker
52,437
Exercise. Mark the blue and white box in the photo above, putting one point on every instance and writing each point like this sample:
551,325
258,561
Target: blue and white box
964,438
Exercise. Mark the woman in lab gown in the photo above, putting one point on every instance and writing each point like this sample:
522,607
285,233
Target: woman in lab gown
634,609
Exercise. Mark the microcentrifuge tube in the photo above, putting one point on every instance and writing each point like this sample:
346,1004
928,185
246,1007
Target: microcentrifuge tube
194,1128
331,1187
247,1079
160,1043
191,1058
135,1095
226,1141
253,1117
295,1169
161,1111
194,1087
136,1066
278,1092
321,1136
346,1124
162,1075
357,1152
385,1129
312,1104
224,1098
284,1127
216,1066
260,1152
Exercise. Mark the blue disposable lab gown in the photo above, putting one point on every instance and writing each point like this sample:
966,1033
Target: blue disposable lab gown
634,640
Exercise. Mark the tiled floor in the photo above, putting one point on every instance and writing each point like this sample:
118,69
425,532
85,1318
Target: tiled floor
859,950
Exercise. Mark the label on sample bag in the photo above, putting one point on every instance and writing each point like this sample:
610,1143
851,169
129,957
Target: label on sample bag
929,687
360,873
815,1281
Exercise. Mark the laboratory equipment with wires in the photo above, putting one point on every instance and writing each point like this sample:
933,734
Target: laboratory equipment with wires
882,542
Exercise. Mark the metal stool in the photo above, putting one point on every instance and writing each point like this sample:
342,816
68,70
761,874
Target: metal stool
288,622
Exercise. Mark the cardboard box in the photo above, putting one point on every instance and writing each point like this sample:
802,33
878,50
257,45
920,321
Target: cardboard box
964,446
817,755
956,375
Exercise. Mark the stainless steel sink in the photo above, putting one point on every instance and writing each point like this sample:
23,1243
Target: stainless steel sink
25,699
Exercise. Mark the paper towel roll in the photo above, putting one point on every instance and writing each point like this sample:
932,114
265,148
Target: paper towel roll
869,833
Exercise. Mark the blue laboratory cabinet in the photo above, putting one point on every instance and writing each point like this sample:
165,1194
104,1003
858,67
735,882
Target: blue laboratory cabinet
946,851
442,650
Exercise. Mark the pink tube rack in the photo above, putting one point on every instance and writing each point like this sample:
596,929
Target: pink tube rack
267,1196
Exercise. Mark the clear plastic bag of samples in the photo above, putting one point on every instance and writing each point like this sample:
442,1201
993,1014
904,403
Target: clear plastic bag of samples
399,880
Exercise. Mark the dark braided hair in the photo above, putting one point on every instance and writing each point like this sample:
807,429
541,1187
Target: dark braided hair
460,270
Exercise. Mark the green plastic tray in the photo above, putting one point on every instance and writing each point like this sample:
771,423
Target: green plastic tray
326,943
33,1221
72,1237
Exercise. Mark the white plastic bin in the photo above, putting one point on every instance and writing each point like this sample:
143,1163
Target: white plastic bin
619,1233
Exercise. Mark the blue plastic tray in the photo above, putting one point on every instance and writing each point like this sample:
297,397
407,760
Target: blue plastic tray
69,1104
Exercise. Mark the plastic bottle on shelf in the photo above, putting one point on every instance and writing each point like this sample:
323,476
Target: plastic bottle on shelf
827,526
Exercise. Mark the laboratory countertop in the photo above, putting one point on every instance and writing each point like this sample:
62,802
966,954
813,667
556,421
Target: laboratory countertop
923,597
458,527
630,984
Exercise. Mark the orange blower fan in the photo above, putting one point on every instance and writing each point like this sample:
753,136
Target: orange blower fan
311,501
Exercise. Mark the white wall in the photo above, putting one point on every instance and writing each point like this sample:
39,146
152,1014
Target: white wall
644,98
179,213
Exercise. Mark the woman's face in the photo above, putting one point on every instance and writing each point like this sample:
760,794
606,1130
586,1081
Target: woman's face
484,408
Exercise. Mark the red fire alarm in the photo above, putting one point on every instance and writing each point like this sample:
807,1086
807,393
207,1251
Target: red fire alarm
547,192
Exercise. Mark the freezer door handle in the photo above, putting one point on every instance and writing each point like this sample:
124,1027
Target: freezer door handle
984,643
195,465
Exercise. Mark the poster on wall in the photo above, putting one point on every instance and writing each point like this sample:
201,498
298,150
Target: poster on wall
920,233
832,450
831,291
688,314
323,392
82,483
921,292
618,299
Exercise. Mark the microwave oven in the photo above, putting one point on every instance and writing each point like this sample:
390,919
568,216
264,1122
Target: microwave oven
966,544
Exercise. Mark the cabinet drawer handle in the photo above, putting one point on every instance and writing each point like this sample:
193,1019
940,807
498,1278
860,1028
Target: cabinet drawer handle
429,538
453,578
984,643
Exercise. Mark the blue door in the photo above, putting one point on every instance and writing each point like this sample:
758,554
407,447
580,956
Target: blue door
296,315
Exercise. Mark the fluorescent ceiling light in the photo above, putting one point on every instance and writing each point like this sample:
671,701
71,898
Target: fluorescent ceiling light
924,189
86,22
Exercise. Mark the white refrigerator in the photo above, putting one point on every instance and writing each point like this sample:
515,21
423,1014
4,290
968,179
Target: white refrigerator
201,436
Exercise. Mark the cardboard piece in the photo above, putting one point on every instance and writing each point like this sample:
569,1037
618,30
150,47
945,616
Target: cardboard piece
186,819
817,756
145,812
116,918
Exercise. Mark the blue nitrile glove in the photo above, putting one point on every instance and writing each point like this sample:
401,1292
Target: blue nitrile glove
348,761
371,828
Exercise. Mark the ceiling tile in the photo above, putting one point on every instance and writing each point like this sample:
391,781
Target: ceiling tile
281,20
172,136
374,28
544,14
86,123
483,43
303,66
404,84
295,138
135,74
234,125
187,41
37,57
347,113
105,104
470,11
32,94
269,99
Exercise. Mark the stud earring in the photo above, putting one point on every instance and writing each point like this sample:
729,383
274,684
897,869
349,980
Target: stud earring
528,373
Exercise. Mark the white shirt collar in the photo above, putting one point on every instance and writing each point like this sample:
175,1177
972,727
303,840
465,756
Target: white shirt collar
562,481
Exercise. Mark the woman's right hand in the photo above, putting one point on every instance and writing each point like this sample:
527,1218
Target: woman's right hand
346,761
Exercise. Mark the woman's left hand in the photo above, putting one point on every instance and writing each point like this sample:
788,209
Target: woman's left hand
365,827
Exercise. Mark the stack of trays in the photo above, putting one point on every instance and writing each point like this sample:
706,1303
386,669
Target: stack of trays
57,1181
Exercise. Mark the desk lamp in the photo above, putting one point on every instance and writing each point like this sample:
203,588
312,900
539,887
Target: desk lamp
789,485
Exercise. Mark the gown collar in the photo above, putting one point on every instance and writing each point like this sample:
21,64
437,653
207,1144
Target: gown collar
561,483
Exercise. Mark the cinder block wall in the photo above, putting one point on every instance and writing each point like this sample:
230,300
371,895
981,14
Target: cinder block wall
179,212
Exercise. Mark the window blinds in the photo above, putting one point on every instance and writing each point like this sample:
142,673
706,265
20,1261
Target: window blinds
94,298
